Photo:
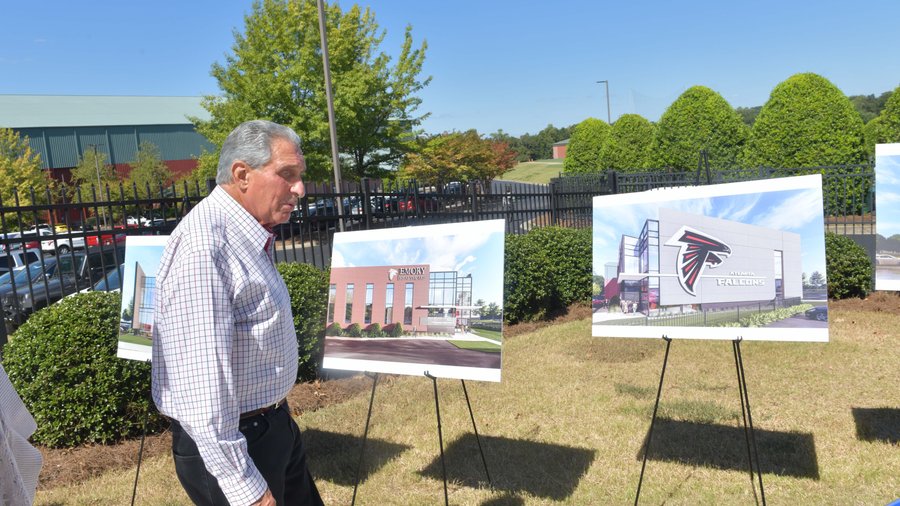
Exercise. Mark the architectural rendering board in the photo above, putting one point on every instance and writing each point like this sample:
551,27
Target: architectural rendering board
142,255
887,217
735,260
417,299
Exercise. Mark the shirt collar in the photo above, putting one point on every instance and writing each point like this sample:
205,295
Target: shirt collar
257,235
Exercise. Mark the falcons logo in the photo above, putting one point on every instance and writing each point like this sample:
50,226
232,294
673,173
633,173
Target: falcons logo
697,250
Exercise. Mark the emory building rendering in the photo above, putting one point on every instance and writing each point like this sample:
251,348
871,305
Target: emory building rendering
684,261
411,295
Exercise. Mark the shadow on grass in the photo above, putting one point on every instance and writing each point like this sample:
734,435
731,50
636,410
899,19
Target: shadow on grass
877,424
724,447
335,457
540,469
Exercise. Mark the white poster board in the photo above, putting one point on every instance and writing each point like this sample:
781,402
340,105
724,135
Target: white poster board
887,217
722,261
416,300
142,256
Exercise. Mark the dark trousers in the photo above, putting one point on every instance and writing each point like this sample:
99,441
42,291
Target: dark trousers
274,445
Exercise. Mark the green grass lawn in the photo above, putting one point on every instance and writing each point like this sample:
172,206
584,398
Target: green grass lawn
496,335
539,171
133,339
476,345
567,423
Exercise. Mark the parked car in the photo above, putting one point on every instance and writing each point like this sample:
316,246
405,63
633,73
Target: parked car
817,313
16,259
886,260
424,202
63,243
44,282
137,221
110,282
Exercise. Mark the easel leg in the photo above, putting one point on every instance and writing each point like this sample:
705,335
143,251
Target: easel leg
748,420
477,437
437,409
362,450
137,473
653,420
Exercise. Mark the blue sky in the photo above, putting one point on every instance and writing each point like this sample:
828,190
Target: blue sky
887,186
474,248
797,210
510,65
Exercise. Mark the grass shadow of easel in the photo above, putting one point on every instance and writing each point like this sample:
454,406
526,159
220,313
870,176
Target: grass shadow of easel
540,469
877,424
724,447
335,457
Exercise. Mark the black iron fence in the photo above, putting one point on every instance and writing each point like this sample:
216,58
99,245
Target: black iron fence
43,228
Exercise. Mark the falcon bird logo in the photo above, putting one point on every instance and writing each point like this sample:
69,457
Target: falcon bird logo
697,250
392,274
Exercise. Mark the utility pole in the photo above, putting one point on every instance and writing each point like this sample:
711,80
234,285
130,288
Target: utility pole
335,161
608,115
99,182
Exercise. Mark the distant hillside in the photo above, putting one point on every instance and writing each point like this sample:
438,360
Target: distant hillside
540,171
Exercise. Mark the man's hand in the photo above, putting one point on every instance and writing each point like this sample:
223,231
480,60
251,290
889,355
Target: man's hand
266,500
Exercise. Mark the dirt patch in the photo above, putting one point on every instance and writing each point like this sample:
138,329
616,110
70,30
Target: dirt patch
64,467
888,302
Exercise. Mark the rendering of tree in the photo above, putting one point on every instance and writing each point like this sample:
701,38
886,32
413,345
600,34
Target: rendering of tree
806,122
148,172
459,157
275,72
628,147
700,119
886,127
20,171
816,279
583,153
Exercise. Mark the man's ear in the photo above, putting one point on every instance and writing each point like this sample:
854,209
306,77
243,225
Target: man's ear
239,173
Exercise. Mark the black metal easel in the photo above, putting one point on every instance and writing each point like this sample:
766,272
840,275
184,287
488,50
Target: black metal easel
437,408
749,432
137,473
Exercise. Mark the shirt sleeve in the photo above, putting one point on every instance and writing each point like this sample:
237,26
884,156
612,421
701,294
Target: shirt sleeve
196,335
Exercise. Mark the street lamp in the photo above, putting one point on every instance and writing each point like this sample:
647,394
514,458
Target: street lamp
608,115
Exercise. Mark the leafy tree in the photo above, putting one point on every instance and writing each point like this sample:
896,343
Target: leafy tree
20,171
816,279
94,174
459,157
148,170
491,312
275,72
869,106
806,122
748,114
628,147
886,127
583,153
700,119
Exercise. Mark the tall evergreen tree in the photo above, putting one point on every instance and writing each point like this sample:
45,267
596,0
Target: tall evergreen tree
583,152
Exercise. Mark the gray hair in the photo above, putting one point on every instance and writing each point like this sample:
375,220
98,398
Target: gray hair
251,142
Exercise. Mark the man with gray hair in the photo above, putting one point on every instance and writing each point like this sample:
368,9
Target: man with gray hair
224,344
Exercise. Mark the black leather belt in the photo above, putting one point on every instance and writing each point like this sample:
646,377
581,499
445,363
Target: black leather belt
263,410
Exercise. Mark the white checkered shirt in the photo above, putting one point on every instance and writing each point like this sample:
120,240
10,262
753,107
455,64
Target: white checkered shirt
223,336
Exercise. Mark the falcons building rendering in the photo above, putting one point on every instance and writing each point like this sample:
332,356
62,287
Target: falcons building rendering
686,261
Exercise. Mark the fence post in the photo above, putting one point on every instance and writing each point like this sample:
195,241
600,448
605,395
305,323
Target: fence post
473,195
554,204
365,205
612,181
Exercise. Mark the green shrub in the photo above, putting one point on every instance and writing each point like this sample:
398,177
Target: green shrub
700,119
308,288
628,147
396,330
334,330
354,330
546,270
807,122
848,266
886,127
374,330
583,151
63,363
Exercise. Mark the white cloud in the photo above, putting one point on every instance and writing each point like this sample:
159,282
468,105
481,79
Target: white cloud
793,212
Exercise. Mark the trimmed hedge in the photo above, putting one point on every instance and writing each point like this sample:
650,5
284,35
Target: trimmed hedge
849,267
308,288
583,152
63,363
628,148
546,270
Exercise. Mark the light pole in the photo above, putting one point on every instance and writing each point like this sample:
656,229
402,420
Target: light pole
99,182
608,115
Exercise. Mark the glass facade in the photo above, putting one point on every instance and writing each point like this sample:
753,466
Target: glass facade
370,291
389,304
332,292
648,245
779,276
407,305
348,310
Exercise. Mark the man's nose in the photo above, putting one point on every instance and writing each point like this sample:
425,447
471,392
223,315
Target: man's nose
298,189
